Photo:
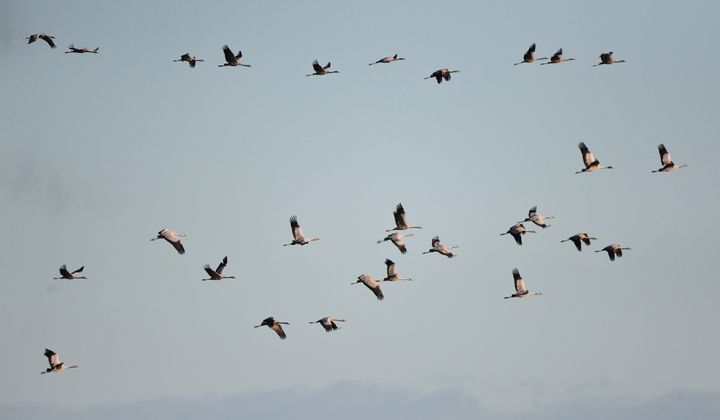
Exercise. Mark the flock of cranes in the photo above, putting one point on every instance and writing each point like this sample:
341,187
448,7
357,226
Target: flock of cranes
233,60
394,234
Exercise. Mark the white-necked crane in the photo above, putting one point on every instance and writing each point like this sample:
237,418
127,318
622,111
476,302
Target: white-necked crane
320,70
614,250
173,239
275,326
371,284
55,364
591,164
579,238
529,56
65,274
392,274
536,218
232,60
190,59
298,236
45,37
607,58
328,323
385,60
396,238
217,274
401,220
441,248
441,74
520,290
666,161
517,231
557,58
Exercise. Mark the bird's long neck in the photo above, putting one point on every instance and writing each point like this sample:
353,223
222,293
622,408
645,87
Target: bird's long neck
229,277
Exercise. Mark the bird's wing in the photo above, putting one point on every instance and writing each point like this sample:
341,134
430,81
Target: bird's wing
221,266
279,330
79,270
558,53
390,267
185,57
531,49
210,271
664,155
327,66
618,252
576,240
585,239
372,285
229,57
178,247
317,67
519,282
587,155
400,219
48,40
32,38
399,243
435,241
64,271
238,55
532,211
517,235
53,358
295,228
438,76
447,75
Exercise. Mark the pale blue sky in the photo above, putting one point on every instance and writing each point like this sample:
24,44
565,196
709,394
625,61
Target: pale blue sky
99,152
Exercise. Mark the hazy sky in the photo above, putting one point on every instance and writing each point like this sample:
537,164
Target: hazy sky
99,152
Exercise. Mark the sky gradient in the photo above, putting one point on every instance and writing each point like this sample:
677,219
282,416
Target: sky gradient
99,152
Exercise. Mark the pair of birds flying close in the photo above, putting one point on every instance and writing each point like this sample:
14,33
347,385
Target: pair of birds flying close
329,323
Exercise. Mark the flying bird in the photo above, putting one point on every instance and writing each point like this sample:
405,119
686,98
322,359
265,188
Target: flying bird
275,326
65,274
72,49
387,60
520,290
371,284
392,275
328,323
217,274
441,248
591,164
55,364
190,59
557,58
401,220
397,240
45,37
579,238
666,160
298,236
441,74
232,60
517,231
536,218
173,238
529,56
320,70
614,250
607,58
